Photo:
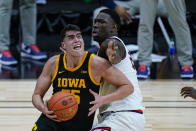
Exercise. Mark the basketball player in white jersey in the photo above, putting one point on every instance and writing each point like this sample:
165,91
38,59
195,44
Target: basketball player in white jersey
125,114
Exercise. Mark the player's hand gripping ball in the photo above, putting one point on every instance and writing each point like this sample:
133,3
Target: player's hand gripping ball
64,105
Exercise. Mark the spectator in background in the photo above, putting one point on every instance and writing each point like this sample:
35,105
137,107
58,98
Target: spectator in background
28,14
177,18
188,91
126,9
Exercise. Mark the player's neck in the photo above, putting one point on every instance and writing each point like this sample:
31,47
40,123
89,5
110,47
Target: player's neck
73,61
108,36
113,34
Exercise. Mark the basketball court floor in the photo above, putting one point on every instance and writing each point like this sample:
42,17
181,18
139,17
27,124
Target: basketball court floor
165,109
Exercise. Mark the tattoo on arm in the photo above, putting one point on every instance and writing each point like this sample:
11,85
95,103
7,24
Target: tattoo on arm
120,53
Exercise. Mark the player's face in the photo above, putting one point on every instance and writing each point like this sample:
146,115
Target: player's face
102,27
73,43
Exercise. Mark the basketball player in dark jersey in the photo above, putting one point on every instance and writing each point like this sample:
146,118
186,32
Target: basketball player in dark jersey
78,72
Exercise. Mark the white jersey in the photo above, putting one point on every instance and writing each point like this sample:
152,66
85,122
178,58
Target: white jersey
134,100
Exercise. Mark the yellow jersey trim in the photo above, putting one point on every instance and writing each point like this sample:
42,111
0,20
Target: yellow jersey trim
89,70
101,89
57,66
34,127
77,67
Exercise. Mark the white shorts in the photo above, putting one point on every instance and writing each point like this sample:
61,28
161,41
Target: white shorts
121,121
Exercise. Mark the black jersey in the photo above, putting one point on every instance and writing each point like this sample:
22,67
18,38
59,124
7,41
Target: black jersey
77,81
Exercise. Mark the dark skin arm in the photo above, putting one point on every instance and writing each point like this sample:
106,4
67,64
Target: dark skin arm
112,50
188,92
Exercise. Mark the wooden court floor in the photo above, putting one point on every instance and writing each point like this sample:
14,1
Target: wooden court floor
165,109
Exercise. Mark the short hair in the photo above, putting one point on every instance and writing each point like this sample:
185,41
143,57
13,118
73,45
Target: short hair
113,15
67,28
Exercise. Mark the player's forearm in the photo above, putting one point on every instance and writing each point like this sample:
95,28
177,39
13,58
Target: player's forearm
120,93
38,102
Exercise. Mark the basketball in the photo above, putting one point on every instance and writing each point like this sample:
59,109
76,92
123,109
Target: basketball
64,105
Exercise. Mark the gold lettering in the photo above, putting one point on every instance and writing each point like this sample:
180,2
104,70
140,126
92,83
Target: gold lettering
64,82
59,82
73,83
82,83
74,92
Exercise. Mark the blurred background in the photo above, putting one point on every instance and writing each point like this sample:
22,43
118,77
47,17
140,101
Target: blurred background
54,14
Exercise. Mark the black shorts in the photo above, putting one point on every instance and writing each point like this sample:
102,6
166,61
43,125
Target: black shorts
46,124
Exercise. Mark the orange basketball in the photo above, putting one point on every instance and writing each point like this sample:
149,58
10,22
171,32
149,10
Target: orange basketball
64,105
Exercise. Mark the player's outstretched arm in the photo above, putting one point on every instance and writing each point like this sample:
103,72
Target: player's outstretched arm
188,92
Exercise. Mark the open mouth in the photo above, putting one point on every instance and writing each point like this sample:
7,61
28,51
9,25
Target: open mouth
94,33
77,47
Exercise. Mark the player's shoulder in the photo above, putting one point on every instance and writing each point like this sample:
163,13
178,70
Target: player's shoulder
52,60
50,66
98,58
99,61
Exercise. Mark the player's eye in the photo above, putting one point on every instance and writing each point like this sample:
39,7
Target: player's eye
70,37
79,35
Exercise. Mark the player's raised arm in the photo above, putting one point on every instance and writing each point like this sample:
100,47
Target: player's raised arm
112,50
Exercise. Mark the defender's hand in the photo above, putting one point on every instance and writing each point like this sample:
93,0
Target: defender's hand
111,51
96,103
188,92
